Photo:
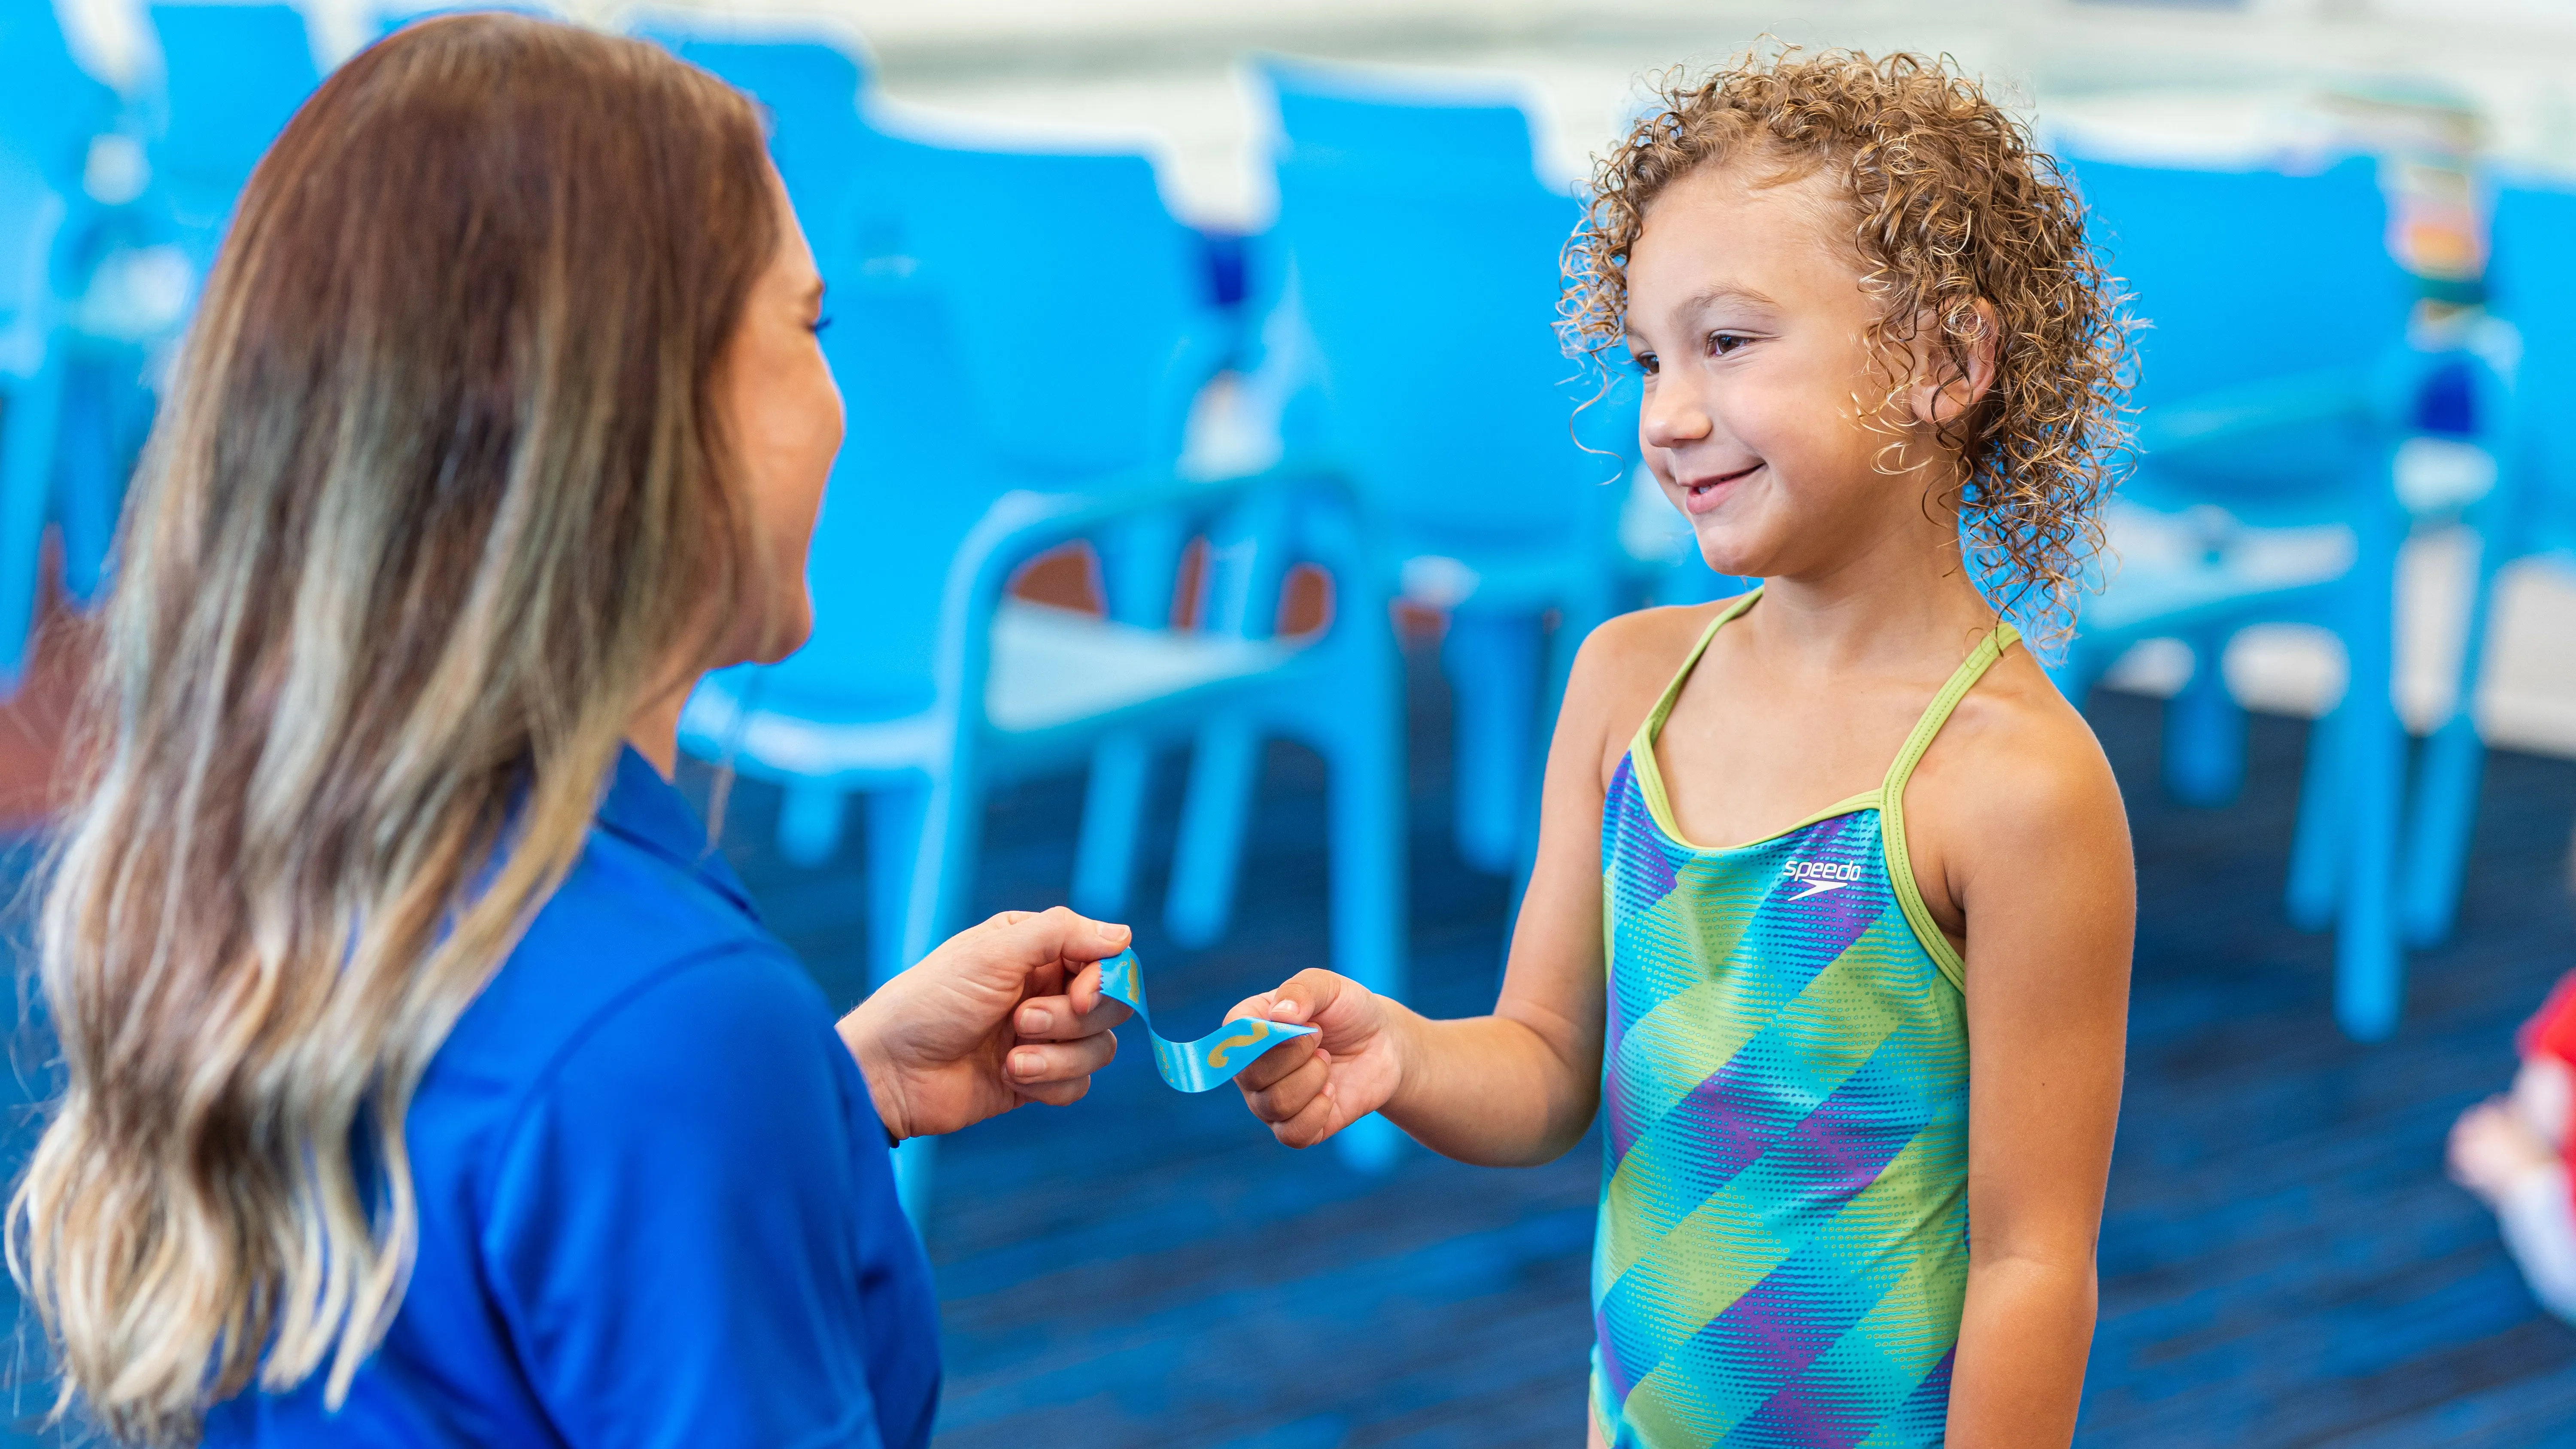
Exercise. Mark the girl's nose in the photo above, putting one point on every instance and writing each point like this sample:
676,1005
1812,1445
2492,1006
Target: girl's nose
1671,418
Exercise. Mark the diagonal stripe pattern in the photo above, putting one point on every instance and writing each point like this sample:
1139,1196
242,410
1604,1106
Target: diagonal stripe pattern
1783,1251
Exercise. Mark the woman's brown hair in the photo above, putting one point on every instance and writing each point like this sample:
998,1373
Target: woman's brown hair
1951,206
438,502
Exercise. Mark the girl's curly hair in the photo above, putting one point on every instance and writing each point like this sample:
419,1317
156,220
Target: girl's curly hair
1951,206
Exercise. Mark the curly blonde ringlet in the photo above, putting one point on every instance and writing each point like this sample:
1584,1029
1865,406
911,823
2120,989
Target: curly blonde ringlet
1950,206
441,500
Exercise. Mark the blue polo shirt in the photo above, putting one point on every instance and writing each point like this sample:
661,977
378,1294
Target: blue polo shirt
656,1206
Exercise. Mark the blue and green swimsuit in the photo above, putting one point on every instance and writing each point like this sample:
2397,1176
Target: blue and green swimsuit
1783,1244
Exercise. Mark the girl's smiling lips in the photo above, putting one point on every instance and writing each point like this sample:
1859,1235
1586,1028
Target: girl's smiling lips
1702,494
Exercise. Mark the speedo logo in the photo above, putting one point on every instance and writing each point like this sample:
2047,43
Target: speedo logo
1819,876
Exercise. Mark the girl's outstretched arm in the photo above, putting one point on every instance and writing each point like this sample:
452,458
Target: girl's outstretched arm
2050,895
1520,1086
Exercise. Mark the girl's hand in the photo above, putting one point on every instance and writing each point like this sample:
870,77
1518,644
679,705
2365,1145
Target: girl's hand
2491,1149
1314,1086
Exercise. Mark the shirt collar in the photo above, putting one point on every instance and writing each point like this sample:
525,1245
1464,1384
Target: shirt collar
647,810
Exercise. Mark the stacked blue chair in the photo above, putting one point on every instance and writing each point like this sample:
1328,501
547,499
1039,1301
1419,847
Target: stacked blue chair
2275,384
231,77
924,684
2530,514
1423,256
1065,266
811,86
49,113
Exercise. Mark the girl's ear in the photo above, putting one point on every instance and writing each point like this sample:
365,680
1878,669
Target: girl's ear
1949,381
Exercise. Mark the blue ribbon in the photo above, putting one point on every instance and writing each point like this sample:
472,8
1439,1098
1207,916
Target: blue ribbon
1212,1060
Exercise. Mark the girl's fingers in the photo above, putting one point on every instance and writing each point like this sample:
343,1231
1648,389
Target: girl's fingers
1276,1065
1282,1100
1035,1064
1318,1120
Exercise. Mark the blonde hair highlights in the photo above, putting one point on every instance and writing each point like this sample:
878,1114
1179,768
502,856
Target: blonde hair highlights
438,502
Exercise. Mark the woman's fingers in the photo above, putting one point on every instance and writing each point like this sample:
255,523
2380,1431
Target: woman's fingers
1056,1018
1033,1065
1084,989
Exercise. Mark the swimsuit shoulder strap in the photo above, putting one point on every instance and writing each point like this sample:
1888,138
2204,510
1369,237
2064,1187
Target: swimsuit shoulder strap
1891,803
1654,723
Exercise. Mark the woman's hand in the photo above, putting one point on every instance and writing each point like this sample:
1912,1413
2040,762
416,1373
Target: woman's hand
1002,1013
1311,1087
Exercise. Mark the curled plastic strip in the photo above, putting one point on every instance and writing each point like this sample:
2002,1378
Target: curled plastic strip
1212,1060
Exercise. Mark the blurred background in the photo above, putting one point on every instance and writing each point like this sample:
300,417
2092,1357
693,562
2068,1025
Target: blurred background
1210,542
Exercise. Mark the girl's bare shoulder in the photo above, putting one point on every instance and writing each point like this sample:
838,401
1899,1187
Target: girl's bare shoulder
2017,760
1629,659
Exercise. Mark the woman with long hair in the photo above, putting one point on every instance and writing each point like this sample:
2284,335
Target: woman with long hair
429,1080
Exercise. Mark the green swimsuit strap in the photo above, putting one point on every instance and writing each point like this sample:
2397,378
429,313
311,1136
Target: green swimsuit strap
1654,724
1891,799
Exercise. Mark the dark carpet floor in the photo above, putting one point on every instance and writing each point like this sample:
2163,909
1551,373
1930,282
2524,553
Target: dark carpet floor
2282,1262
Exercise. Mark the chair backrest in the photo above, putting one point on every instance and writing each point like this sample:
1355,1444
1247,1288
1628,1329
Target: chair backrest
1084,321
809,85
232,77
2248,280
1339,114
1002,320
2244,276
1428,281
50,107
2531,285
31,214
907,487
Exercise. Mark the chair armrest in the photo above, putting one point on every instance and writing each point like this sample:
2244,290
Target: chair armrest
2381,395
1022,525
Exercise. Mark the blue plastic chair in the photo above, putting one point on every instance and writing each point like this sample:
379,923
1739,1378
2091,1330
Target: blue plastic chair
50,112
2275,385
32,361
811,86
925,684
232,76
1065,267
1422,288
2530,514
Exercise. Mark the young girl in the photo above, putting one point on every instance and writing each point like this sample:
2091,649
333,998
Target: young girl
1861,1069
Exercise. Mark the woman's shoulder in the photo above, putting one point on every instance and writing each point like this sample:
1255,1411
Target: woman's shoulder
635,947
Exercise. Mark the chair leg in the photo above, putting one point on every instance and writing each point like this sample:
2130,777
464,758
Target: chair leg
1367,800
1493,668
2205,733
942,874
809,823
2318,849
1207,856
2445,807
102,396
1113,806
894,822
2369,965
29,425
2445,814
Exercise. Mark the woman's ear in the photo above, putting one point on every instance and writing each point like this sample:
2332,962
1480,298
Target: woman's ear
1950,380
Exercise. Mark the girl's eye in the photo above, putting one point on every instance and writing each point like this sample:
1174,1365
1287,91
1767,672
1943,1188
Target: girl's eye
1722,343
1647,363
